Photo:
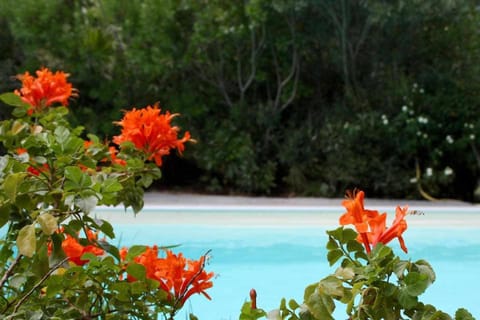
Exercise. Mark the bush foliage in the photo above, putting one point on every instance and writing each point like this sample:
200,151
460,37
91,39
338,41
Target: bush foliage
287,97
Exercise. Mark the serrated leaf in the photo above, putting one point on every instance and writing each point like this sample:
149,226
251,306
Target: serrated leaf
26,240
336,234
354,246
334,255
48,223
332,244
349,234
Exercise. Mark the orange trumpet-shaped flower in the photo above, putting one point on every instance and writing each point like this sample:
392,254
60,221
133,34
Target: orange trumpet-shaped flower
178,276
151,132
357,215
45,89
379,232
74,250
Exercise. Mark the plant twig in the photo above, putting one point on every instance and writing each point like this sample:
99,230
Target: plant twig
10,270
35,287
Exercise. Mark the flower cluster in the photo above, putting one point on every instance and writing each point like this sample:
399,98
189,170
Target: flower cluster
45,89
151,132
56,176
74,250
370,224
178,276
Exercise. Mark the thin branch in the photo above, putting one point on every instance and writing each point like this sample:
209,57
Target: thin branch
294,73
36,286
199,272
255,50
10,270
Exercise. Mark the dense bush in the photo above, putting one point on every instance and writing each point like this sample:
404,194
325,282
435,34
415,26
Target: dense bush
294,93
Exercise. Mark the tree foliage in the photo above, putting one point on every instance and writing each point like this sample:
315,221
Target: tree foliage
294,93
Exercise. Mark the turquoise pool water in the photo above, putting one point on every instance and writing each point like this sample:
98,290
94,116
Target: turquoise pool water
281,259
279,252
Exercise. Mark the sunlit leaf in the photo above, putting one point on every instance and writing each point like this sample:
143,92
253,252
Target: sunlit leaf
48,223
86,204
26,240
321,305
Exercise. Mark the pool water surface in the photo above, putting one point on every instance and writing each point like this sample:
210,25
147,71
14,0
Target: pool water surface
281,259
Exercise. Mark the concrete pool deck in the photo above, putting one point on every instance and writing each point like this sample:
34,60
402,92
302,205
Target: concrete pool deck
234,211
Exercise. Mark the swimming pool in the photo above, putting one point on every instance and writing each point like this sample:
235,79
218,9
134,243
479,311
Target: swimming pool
279,251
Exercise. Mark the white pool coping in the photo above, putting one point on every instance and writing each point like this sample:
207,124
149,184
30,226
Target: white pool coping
224,211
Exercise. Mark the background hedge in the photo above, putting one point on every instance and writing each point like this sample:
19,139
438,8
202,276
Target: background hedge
300,97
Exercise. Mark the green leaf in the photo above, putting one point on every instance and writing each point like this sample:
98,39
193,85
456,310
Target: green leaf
463,314
334,255
76,179
292,304
380,252
14,100
62,135
400,268
111,185
349,234
332,244
4,214
336,234
48,223
416,283
86,204
26,240
137,271
406,300
354,246
331,286
106,228
134,251
11,184
321,305
423,267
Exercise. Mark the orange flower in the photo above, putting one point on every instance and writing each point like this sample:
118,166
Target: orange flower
178,276
113,156
37,170
45,89
379,232
74,250
357,215
151,132
370,225
34,169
